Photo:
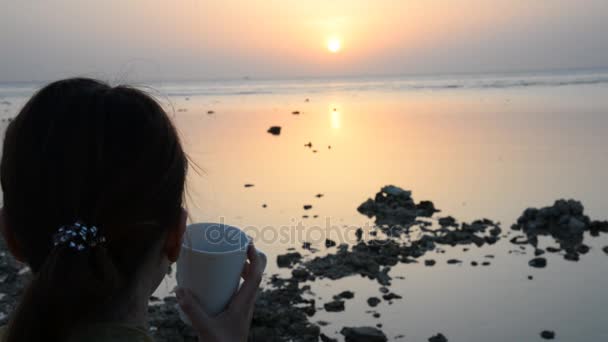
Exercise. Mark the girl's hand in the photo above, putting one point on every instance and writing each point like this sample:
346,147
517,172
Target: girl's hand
233,323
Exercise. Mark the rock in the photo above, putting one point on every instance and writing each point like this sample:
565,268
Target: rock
334,306
376,315
363,334
300,274
275,130
248,185
429,262
373,301
447,221
210,112
295,112
319,195
264,205
396,191
359,234
307,207
576,226
485,263
438,338
538,262
426,208
547,335
325,338
287,260
329,243
346,295
605,249
565,222
454,261
309,145
367,208
474,263
391,296
306,245
530,277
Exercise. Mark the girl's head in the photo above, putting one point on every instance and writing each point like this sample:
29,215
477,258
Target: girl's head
83,151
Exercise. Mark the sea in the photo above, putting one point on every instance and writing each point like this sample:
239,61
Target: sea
476,145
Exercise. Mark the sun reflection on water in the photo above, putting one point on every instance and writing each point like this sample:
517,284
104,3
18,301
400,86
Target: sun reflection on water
336,119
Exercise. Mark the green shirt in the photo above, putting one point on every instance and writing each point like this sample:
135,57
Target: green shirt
105,333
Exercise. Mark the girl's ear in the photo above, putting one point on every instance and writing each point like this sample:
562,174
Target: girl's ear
173,241
9,237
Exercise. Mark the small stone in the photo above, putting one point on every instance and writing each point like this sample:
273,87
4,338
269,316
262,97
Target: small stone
329,243
429,262
384,289
359,234
295,112
474,263
538,262
438,338
300,274
346,294
307,207
325,338
363,334
391,296
547,335
287,260
605,249
248,185
373,301
376,315
319,195
334,306
485,263
454,261
275,130
530,277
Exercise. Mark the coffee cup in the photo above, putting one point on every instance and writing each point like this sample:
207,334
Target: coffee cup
211,262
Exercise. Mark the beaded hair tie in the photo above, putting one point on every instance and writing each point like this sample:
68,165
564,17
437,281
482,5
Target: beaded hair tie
78,236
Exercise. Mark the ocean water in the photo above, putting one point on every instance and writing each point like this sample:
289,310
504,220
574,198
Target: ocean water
476,145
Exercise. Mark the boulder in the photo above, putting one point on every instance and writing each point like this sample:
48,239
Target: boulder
363,334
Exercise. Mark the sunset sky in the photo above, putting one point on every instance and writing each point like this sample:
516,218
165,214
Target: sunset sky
195,39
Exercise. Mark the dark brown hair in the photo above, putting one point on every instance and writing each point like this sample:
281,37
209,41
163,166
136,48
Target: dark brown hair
81,150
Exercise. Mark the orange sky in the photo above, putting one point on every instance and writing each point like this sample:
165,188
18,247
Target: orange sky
272,38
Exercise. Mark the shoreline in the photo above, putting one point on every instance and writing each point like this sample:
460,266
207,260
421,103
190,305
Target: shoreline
284,310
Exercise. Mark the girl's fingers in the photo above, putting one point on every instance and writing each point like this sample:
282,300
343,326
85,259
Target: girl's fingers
191,307
245,297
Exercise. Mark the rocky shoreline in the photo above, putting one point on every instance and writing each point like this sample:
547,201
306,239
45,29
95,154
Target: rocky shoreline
284,308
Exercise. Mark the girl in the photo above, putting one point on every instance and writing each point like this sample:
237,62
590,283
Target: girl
93,183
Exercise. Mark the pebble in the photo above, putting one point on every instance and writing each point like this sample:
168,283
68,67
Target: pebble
363,334
538,262
373,301
334,306
547,335
438,338
275,130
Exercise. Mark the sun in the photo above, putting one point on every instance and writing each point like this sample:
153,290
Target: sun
334,44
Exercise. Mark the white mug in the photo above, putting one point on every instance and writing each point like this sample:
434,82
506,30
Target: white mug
210,264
